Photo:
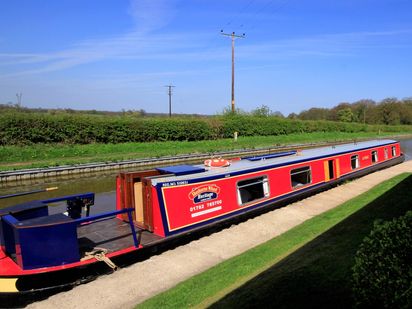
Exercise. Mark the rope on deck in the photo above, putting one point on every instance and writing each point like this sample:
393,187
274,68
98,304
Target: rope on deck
100,255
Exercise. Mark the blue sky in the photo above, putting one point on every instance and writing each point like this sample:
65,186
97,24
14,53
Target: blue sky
118,54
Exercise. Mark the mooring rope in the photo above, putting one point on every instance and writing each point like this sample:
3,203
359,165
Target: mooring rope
100,255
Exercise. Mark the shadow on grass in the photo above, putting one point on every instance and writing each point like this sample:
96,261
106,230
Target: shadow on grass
318,275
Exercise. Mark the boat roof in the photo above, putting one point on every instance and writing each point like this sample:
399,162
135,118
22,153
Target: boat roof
189,172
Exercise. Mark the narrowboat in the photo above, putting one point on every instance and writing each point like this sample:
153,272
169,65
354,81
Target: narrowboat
42,252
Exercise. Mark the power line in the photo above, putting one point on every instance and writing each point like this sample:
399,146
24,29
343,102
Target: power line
170,98
254,12
237,21
233,36
266,8
211,44
240,12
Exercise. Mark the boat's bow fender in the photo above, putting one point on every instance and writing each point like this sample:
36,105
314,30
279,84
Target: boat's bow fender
8,285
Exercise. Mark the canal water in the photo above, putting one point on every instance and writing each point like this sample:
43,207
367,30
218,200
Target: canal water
102,184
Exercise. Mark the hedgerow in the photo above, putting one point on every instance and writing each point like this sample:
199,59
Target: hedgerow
382,274
31,128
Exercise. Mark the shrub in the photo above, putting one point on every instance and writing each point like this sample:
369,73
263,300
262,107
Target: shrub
29,128
382,274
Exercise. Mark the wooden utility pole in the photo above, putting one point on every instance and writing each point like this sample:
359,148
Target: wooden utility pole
233,36
170,99
19,95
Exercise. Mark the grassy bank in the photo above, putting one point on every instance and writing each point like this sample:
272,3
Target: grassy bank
43,155
309,266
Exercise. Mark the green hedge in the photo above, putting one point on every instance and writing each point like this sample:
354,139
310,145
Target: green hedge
382,274
29,128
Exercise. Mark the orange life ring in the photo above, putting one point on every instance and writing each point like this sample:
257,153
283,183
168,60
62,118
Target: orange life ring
217,162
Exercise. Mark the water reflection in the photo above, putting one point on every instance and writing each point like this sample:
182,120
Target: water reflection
102,185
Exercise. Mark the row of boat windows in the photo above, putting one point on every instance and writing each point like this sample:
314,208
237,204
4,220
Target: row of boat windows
354,160
257,188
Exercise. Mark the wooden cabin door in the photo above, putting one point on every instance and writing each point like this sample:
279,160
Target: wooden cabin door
332,169
138,202
147,205
135,192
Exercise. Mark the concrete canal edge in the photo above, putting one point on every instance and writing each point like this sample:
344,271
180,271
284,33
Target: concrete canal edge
34,173
162,272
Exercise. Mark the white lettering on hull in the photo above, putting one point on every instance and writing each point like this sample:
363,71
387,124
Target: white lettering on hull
197,214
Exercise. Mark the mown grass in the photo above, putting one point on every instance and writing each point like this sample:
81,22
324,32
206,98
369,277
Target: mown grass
307,267
43,155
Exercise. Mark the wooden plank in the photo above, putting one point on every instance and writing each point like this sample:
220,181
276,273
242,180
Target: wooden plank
337,164
138,202
147,204
326,168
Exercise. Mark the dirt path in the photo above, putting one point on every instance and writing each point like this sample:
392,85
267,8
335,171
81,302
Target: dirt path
132,285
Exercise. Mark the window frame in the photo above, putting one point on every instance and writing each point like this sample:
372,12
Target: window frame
393,151
356,156
300,185
374,154
265,185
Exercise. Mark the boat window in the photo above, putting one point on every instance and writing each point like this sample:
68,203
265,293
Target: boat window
354,161
374,156
300,176
252,189
393,151
386,153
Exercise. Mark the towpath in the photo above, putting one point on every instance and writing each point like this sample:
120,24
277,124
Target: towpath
134,284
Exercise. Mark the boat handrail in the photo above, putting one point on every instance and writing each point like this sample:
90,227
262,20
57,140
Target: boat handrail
271,156
94,218
28,192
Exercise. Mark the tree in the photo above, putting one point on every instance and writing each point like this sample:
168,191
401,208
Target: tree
314,113
277,114
361,110
293,116
227,111
334,112
389,110
142,112
406,112
262,111
345,115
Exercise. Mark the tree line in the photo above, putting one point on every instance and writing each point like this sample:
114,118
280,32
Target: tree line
389,111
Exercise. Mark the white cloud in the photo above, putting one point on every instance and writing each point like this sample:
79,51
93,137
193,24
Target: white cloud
151,15
145,42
